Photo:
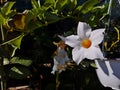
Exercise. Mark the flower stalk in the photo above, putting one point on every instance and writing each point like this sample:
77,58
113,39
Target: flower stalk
57,80
2,82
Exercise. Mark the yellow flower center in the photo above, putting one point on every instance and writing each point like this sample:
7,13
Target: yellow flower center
86,43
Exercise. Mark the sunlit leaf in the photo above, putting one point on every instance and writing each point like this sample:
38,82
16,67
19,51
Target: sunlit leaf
6,61
93,65
48,4
6,9
17,41
17,60
16,70
87,6
60,4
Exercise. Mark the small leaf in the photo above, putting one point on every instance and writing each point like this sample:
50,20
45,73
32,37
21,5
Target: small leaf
93,64
17,41
6,61
19,72
17,60
16,70
60,4
87,6
6,9
48,4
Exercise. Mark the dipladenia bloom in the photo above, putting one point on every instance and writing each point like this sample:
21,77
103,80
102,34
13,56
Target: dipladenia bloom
60,58
86,43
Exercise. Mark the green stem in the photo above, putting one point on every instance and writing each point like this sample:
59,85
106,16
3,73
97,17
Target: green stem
2,82
2,34
57,81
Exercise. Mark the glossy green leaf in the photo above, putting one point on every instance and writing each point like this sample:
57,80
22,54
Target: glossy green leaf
17,41
17,60
6,9
36,3
60,4
87,6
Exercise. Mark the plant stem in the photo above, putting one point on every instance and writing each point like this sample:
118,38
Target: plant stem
2,82
2,34
57,81
107,26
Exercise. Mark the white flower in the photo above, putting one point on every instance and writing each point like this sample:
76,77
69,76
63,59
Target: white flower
108,73
85,43
59,60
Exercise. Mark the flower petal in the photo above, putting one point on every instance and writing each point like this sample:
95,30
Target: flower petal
83,30
78,54
97,36
72,41
61,37
108,80
93,53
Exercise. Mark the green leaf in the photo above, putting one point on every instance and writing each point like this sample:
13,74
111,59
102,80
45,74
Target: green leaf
6,61
17,41
33,25
49,3
16,70
60,4
87,6
19,72
72,4
92,64
51,18
17,60
36,4
1,19
6,9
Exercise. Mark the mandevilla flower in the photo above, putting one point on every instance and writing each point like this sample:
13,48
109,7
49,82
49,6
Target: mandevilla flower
60,58
86,43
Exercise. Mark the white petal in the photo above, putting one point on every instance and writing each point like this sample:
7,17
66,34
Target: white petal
55,60
108,80
72,41
97,36
93,53
61,37
78,54
83,30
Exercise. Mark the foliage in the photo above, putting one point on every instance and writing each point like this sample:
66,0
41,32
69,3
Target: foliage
41,24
